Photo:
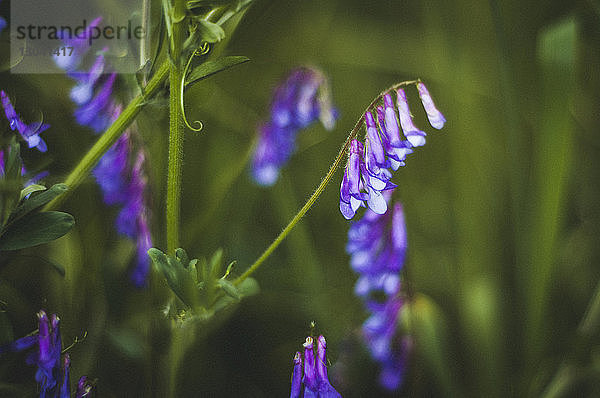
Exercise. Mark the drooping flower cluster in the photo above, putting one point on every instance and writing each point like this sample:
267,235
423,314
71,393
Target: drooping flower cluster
53,368
303,98
120,172
311,379
377,245
367,173
29,132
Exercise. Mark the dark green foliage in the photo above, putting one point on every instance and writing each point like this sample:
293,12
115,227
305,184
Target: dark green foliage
200,285
20,225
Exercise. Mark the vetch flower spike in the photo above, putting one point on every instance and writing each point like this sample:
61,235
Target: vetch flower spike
314,380
377,245
367,173
52,375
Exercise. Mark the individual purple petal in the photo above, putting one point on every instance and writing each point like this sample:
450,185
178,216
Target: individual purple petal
376,201
110,173
326,390
65,387
396,154
307,108
20,344
415,136
398,232
436,119
297,377
97,114
346,208
48,357
310,376
9,111
374,141
139,275
354,168
83,92
391,123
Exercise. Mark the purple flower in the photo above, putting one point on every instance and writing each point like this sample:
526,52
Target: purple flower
436,119
52,375
133,220
111,172
415,136
367,174
120,176
377,245
315,380
83,92
299,101
79,43
98,112
84,388
30,133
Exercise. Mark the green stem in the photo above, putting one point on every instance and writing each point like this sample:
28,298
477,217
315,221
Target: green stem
311,201
176,138
111,135
176,130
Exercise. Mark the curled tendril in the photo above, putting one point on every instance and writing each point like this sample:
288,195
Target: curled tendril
76,341
202,50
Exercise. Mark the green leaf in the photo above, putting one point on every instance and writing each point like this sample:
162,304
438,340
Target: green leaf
210,32
14,165
209,68
178,278
36,201
36,229
182,256
28,190
215,265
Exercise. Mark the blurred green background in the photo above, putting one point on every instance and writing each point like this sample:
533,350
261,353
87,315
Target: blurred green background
501,206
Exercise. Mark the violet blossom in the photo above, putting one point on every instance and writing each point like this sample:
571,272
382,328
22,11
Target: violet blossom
53,368
29,132
299,101
377,245
367,173
312,381
120,172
